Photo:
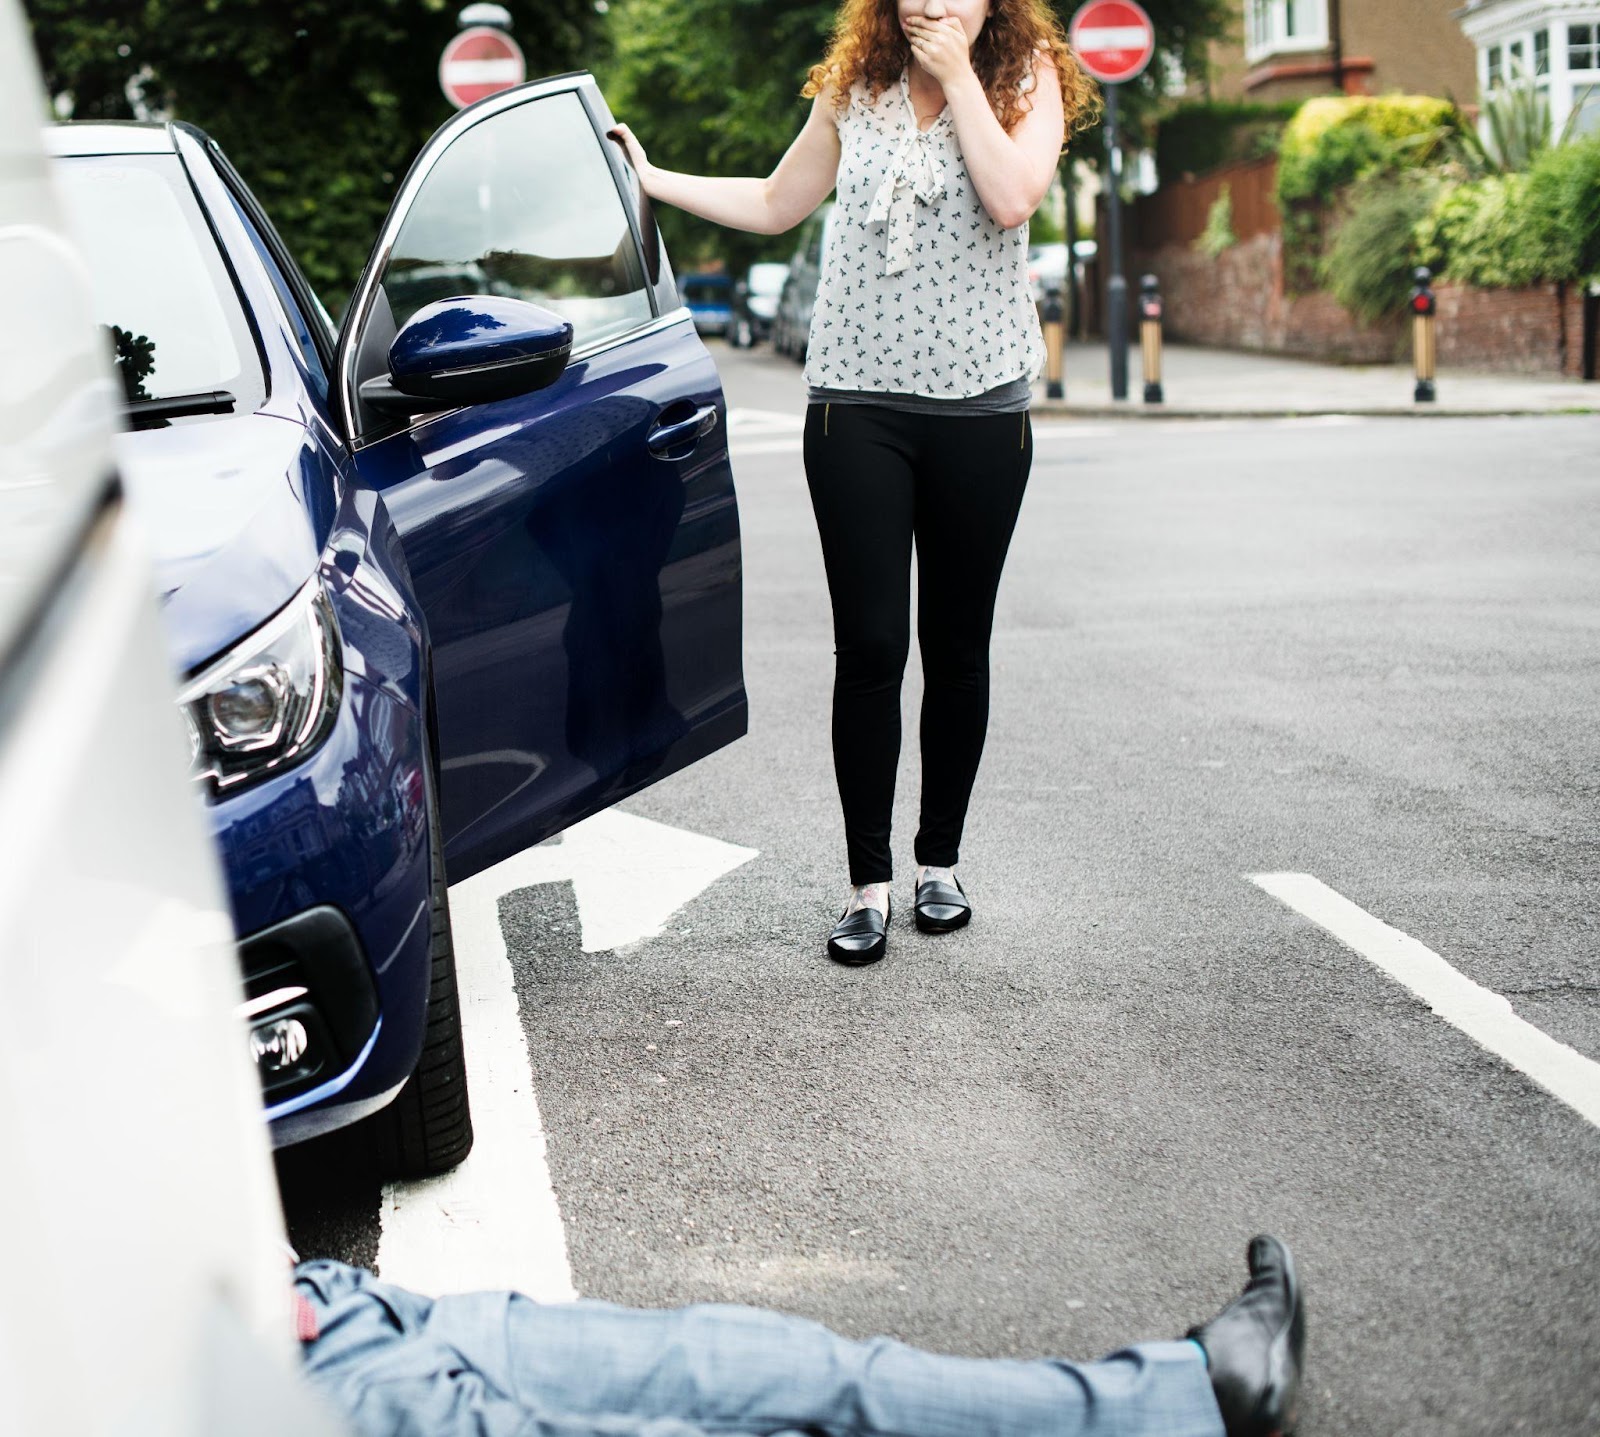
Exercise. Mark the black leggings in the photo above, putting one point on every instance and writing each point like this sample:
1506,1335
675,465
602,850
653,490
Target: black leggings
879,479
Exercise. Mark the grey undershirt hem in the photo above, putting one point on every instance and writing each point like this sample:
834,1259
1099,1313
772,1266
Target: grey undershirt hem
1011,397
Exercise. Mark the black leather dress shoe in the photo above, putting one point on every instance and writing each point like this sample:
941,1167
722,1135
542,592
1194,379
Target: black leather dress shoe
1256,1346
941,908
859,938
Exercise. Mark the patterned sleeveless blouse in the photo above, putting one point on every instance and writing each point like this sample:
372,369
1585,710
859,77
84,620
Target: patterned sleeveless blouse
921,292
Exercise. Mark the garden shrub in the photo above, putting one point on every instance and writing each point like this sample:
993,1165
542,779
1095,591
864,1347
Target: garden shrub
1333,141
1509,231
1368,267
1218,234
1574,170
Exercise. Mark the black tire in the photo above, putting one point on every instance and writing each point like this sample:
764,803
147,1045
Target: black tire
427,1129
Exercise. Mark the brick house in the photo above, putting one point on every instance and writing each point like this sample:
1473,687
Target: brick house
1287,49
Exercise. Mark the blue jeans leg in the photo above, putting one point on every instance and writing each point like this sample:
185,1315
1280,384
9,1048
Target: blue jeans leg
723,1369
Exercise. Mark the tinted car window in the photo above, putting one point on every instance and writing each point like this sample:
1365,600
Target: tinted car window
705,291
160,284
524,206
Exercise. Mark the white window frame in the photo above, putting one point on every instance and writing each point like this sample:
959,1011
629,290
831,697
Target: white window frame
1266,27
1519,21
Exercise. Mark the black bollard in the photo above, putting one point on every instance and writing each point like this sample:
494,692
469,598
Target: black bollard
1052,318
1150,338
1424,347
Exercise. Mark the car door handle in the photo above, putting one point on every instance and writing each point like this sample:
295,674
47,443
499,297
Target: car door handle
668,437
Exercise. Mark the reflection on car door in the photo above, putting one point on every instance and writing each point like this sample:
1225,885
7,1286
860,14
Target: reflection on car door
575,550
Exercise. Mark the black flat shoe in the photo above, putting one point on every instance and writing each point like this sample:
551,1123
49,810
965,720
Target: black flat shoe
859,938
1256,1346
941,908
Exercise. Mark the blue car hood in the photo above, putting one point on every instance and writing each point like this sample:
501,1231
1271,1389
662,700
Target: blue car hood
223,509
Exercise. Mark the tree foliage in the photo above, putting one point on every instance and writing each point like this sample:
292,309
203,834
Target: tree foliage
713,87
320,104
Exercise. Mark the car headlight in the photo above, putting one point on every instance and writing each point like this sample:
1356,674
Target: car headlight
270,700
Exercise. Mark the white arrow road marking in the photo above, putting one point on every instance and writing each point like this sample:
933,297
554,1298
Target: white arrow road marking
1483,1015
494,1222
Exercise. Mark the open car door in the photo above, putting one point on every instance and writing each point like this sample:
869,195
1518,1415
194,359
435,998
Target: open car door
574,547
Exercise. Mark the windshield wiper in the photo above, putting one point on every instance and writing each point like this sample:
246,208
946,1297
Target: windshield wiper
174,406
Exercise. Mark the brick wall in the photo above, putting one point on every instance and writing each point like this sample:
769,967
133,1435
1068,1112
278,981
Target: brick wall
1236,301
1512,329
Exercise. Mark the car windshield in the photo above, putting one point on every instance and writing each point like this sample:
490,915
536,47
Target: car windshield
160,286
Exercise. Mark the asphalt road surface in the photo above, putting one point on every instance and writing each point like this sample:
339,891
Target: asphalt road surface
1364,651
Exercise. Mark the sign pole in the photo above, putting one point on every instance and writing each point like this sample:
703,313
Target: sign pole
1070,228
1114,40
1116,282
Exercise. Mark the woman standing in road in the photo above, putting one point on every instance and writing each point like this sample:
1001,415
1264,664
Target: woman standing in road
940,123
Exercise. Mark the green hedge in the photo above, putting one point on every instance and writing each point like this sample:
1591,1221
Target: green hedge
1509,231
1197,138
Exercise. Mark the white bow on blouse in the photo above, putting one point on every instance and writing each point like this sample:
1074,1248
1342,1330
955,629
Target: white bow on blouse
915,177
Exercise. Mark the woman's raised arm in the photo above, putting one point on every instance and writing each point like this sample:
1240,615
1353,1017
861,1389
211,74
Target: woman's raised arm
803,178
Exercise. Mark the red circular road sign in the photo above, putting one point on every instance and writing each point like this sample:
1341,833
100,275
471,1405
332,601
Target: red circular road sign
480,62
1113,39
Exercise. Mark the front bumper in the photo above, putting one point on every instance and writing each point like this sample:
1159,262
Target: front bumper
330,881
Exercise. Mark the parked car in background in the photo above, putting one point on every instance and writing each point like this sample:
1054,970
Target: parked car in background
710,301
439,584
1047,270
791,329
755,303
145,1287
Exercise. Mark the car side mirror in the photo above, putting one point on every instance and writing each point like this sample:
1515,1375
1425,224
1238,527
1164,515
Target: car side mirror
472,349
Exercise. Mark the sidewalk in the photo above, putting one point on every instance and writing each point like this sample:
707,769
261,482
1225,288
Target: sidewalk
1220,382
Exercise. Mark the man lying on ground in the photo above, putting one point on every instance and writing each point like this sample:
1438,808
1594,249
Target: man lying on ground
493,1364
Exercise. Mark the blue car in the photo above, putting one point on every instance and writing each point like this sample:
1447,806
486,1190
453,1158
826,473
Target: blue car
710,301
438,583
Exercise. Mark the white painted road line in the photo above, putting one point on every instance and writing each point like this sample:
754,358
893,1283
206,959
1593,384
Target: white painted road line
1483,1015
754,421
494,1222
739,449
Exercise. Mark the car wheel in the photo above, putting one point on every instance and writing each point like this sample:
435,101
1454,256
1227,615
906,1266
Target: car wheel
427,1129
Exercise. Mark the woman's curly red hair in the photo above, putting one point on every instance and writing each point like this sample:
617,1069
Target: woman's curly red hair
869,45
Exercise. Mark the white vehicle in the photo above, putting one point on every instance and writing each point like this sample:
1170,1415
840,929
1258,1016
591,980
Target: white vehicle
145,1288
791,328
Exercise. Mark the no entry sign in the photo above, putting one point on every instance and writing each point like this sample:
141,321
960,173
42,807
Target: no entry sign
1113,39
480,62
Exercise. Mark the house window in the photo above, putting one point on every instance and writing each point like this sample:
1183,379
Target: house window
1492,74
1274,26
1516,62
1541,52
1583,47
